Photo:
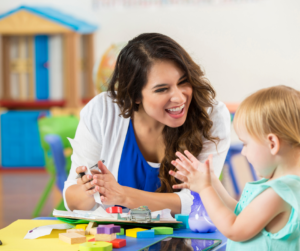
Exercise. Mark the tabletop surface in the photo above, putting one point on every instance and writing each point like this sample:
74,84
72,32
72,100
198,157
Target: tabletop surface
13,237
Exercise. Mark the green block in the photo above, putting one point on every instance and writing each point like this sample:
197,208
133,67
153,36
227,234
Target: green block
162,230
121,232
96,246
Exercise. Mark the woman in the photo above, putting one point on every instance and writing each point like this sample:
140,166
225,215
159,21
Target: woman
158,102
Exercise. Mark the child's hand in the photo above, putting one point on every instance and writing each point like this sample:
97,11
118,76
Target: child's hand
194,174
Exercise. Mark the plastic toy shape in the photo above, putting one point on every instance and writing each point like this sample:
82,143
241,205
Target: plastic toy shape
96,246
114,210
162,230
141,214
108,229
121,232
199,220
118,243
133,232
184,218
145,234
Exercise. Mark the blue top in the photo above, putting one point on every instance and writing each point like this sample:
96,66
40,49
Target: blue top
57,16
287,187
134,170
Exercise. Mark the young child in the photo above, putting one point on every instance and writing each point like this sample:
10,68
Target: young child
267,217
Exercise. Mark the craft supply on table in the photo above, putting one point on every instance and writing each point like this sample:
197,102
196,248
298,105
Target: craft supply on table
45,230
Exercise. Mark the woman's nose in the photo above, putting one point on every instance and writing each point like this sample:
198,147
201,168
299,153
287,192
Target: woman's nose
178,96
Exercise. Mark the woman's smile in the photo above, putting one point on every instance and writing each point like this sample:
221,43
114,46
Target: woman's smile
176,112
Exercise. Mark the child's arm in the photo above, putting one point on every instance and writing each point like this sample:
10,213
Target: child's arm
194,162
249,222
255,217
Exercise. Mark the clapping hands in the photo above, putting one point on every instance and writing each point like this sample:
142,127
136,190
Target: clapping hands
195,175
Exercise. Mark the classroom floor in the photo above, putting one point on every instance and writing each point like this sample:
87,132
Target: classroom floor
20,193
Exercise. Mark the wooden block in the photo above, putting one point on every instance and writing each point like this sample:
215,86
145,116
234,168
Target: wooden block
78,231
105,237
121,232
118,243
146,234
89,227
95,246
81,226
132,232
72,238
162,230
93,231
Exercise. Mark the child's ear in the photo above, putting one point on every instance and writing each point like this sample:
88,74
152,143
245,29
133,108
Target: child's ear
273,143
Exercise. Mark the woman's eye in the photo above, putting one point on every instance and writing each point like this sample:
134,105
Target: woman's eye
183,82
160,90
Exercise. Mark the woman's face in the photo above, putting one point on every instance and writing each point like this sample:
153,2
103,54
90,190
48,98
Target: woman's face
167,95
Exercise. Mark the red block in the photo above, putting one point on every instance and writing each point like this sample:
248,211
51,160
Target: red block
92,240
114,210
118,243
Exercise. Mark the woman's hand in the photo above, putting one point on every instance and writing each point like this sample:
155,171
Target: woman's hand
86,182
195,175
111,192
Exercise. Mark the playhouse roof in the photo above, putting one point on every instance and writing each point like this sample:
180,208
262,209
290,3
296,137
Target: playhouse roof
59,19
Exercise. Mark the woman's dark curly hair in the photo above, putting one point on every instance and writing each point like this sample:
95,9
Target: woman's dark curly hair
129,78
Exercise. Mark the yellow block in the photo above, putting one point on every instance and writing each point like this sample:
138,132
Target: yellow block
13,235
132,232
81,226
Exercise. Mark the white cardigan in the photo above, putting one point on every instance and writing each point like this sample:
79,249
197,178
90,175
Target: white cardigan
101,133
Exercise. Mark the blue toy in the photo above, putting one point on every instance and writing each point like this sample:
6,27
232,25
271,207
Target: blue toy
146,234
184,218
199,220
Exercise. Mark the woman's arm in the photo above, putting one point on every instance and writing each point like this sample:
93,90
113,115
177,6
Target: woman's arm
76,195
113,193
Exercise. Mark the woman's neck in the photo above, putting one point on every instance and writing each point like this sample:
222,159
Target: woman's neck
146,123
149,137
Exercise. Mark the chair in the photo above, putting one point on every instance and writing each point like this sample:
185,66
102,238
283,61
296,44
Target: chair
234,150
57,150
63,126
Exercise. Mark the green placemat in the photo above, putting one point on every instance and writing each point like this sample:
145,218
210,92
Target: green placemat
130,224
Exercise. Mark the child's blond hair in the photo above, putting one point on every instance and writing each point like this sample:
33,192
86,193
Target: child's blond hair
272,110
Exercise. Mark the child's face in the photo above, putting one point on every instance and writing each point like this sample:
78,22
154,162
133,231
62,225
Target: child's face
258,154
